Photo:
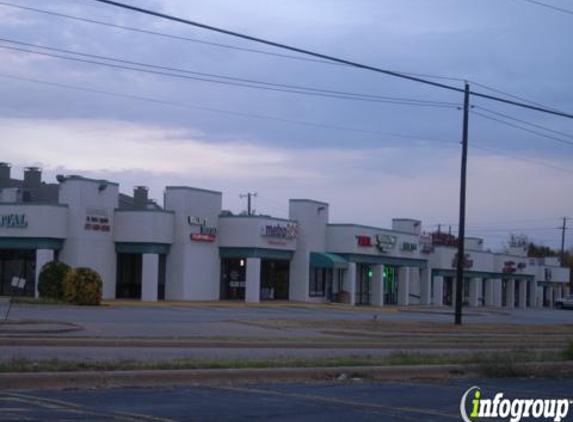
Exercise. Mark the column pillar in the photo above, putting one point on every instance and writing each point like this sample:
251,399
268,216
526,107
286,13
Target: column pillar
149,277
475,284
43,256
488,294
438,299
351,282
425,286
522,293
404,286
497,292
533,299
378,286
253,282
510,294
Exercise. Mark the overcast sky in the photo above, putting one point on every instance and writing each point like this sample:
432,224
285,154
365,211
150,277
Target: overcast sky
370,160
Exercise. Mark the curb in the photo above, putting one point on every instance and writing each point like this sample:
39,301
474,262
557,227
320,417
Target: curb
165,378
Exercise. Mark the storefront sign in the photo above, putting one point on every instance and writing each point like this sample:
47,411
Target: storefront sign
467,261
97,220
206,233
509,267
364,241
200,237
13,221
410,247
385,242
288,231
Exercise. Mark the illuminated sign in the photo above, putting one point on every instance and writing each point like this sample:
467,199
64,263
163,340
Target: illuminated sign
385,242
289,231
364,241
13,221
199,237
205,234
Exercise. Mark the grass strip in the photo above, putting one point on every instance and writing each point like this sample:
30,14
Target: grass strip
492,362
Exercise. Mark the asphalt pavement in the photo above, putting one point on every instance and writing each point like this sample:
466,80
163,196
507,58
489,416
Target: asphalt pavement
344,401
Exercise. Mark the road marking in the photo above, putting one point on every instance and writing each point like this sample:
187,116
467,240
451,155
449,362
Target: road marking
312,397
78,408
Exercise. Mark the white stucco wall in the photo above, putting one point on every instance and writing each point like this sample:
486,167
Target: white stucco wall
144,226
90,248
193,267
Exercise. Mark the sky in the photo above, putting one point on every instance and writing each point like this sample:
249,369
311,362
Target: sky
368,153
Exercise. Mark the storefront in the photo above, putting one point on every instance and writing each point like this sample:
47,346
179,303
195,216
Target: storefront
189,249
255,257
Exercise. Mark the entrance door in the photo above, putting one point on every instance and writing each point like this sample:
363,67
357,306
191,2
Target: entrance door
390,285
364,284
274,279
233,279
448,291
128,279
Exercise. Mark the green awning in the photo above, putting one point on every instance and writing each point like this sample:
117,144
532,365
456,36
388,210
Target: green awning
327,260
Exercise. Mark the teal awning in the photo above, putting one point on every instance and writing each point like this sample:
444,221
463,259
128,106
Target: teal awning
327,260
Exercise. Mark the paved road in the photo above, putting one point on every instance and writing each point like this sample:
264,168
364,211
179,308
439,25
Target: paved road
339,401
206,320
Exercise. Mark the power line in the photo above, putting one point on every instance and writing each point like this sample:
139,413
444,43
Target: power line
162,34
299,91
524,159
327,57
272,118
549,6
231,78
563,141
223,111
516,97
524,122
209,43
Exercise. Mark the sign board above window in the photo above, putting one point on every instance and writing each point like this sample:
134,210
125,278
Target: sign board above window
282,231
13,221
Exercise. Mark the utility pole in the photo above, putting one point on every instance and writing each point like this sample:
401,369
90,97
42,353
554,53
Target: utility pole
462,225
563,228
248,195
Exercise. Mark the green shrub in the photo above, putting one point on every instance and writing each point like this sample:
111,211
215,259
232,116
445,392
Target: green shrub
50,281
83,286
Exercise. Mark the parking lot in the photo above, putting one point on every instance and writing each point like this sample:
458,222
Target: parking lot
338,401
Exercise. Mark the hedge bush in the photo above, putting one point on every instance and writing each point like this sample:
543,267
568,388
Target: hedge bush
51,279
83,286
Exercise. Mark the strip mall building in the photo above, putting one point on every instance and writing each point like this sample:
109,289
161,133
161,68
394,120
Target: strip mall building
189,249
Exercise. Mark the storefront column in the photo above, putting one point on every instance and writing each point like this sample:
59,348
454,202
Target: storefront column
350,287
510,292
488,294
475,284
425,286
550,296
253,282
534,300
378,286
149,277
438,299
522,293
43,256
404,286
497,292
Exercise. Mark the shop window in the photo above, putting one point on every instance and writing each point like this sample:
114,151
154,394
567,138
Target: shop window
318,280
